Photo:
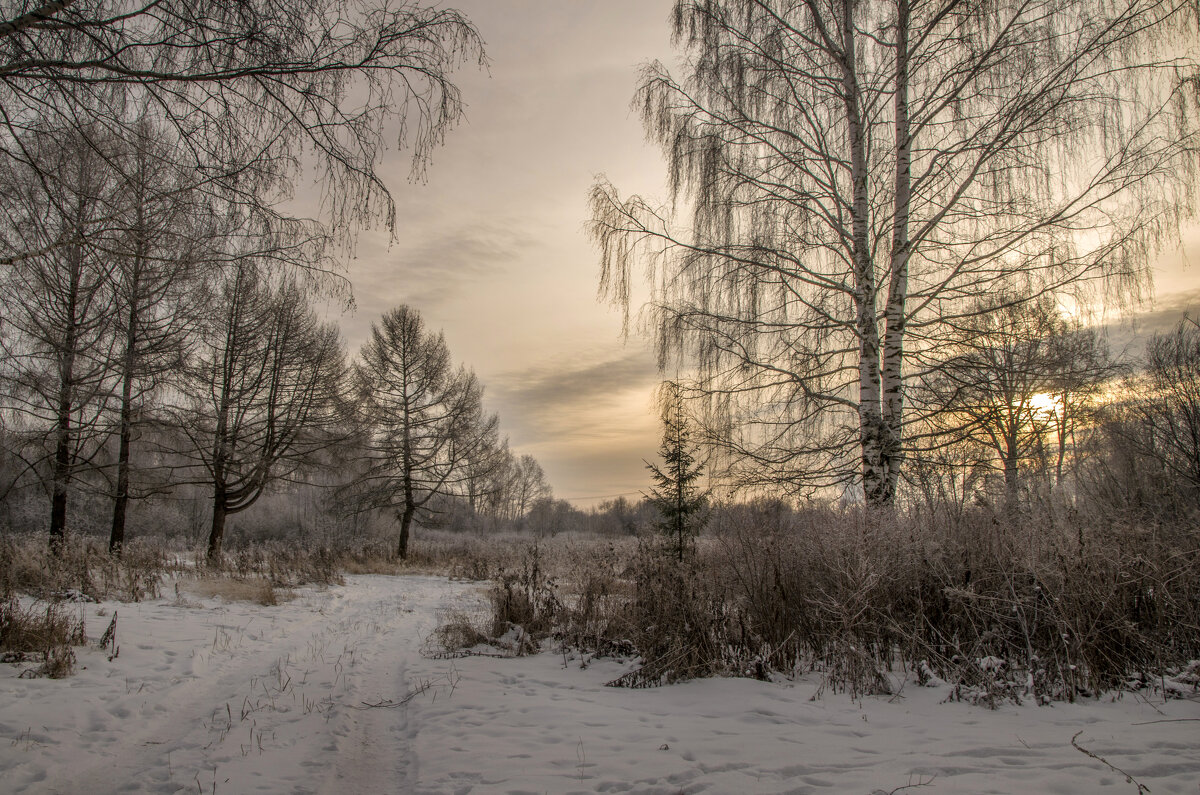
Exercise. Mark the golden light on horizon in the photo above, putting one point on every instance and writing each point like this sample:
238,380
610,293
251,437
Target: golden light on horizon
1045,404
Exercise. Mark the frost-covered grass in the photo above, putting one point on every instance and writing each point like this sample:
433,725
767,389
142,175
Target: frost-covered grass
1001,613
797,651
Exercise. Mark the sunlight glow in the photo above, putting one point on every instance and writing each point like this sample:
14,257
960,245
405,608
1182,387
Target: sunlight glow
1045,404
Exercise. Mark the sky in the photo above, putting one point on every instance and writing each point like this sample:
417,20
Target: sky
492,248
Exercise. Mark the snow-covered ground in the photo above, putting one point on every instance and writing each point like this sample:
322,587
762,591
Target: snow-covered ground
330,693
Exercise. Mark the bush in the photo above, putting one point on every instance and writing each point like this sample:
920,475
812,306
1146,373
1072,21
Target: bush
29,634
679,622
1041,610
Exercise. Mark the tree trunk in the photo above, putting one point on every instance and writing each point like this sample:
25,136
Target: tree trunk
895,312
217,533
872,431
62,477
62,431
410,504
220,499
1062,426
1012,483
116,538
406,518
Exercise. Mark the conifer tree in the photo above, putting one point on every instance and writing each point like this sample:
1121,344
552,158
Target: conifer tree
676,492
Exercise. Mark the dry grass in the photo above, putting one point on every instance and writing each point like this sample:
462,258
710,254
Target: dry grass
258,590
85,567
42,632
1034,610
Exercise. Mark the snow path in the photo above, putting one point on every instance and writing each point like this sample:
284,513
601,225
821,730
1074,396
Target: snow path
246,697
238,698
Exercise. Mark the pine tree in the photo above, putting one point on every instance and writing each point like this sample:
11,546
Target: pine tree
676,493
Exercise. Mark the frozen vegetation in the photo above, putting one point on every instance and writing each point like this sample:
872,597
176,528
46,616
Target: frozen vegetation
360,688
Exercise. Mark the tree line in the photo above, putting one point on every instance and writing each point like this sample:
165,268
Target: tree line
159,332
163,338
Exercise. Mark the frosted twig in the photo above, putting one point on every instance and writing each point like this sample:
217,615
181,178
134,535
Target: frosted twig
1140,787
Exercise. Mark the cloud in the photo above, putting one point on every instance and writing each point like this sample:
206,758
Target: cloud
439,265
551,384
597,404
590,423
430,270
1169,311
1130,336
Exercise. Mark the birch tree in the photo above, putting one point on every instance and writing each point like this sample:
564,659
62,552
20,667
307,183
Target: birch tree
528,485
252,90
848,177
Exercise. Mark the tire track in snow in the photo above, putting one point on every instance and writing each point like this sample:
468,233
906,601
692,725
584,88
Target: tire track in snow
246,698
375,750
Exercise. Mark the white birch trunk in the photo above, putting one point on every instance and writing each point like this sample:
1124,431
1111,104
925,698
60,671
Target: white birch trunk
895,311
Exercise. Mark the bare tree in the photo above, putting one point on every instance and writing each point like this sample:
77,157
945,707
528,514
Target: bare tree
528,485
250,89
424,419
58,305
1085,369
159,250
1018,377
1167,403
484,477
858,174
995,384
264,387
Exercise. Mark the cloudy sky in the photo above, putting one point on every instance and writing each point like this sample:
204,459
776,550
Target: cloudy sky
492,247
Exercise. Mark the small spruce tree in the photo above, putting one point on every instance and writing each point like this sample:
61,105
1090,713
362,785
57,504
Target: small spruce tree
676,493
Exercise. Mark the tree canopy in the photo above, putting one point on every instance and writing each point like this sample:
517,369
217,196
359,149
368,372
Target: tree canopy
849,178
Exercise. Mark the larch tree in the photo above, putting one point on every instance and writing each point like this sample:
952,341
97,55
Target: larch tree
849,177
58,306
264,389
161,233
423,420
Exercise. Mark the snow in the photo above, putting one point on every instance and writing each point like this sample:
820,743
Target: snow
331,692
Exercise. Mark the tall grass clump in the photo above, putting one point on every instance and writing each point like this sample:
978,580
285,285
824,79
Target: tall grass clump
40,632
83,568
998,610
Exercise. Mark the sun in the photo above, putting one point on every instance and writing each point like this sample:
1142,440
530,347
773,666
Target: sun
1045,404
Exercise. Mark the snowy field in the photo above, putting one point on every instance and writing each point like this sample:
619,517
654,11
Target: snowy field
330,693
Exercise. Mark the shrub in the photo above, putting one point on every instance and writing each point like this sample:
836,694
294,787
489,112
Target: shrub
1042,609
32,633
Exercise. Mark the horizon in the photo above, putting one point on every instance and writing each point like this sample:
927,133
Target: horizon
491,248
